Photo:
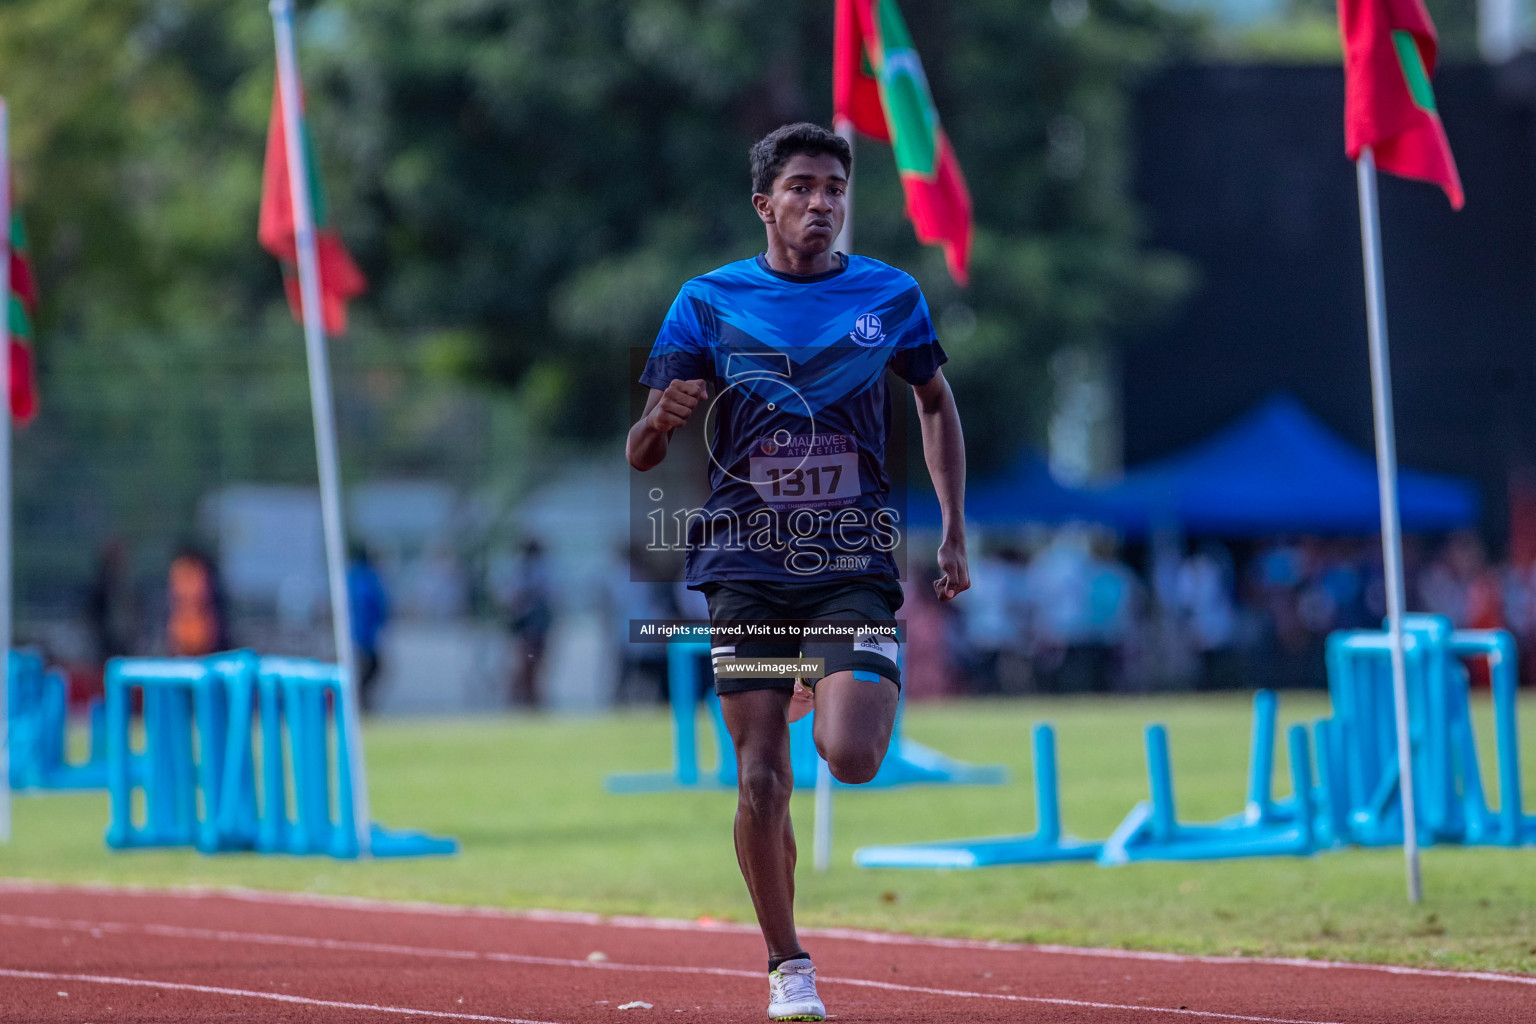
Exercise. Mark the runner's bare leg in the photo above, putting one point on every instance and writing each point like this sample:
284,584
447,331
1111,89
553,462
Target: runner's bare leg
765,840
854,719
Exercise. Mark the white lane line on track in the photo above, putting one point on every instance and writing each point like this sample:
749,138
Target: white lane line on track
362,904
351,946
217,990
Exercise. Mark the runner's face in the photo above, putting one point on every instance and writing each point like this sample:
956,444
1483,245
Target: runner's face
808,203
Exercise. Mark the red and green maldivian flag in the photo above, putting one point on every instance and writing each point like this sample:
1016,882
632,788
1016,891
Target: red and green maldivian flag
21,310
879,87
340,280
1389,54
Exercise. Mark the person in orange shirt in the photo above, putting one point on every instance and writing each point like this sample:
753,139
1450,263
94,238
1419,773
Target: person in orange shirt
196,624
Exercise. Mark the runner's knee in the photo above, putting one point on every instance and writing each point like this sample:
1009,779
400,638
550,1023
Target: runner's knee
855,764
766,788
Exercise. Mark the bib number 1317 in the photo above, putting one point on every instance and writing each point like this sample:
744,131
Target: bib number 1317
813,478
793,483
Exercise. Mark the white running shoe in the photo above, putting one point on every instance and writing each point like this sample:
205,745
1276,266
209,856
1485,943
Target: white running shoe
792,992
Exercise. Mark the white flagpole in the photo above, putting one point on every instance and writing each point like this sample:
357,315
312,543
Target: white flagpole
844,241
6,588
1386,474
821,838
320,400
821,842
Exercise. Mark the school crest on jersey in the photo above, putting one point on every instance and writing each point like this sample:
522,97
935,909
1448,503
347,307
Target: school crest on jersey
868,330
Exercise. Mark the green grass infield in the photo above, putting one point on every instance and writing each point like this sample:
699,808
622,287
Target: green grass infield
525,798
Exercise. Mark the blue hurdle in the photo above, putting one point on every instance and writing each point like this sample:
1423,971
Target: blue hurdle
1515,828
907,762
307,697
1450,803
37,723
199,773
1152,830
1353,798
1045,844
176,770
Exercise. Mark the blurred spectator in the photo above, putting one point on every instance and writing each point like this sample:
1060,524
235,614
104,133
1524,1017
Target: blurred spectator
1278,569
1444,582
196,624
1204,600
1081,614
529,617
1079,602
1460,584
1113,605
112,605
929,662
1056,595
370,611
994,622
638,594
1337,590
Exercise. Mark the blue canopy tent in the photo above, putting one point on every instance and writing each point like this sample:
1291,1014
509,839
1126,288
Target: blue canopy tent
1275,470
1279,470
1028,493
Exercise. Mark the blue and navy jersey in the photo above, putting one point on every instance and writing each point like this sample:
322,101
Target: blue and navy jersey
798,416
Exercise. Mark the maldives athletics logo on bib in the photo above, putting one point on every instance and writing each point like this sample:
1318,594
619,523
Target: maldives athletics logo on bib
868,330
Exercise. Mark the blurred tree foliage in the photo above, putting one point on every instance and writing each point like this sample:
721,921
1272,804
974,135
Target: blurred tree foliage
528,182
136,130
533,180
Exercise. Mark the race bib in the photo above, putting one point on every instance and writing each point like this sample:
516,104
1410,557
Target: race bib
806,470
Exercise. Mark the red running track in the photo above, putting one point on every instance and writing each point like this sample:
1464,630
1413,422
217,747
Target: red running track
100,954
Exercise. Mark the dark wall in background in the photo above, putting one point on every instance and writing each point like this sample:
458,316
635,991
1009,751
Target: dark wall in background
1242,170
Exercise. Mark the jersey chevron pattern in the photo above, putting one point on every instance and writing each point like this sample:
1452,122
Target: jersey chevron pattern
799,414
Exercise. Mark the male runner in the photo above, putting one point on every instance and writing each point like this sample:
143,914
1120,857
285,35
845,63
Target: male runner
784,356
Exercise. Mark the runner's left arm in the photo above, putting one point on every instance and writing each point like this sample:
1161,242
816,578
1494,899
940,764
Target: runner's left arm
944,452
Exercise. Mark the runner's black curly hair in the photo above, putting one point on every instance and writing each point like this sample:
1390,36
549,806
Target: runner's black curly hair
773,151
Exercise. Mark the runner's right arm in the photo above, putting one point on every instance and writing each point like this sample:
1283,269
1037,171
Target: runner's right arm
665,411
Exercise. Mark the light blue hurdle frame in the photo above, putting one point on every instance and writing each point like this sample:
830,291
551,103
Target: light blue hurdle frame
198,769
1353,799
1152,830
37,724
185,713
1045,844
1451,805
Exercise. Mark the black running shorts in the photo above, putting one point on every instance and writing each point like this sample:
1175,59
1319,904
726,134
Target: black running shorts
858,599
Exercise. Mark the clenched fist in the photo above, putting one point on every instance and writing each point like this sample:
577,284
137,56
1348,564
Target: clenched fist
957,572
677,404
